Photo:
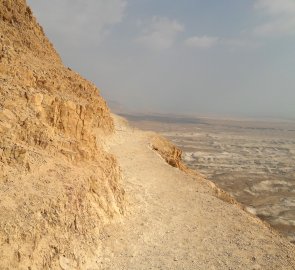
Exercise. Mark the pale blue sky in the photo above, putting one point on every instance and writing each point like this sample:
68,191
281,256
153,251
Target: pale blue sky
227,57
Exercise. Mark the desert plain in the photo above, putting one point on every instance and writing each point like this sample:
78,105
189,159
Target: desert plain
253,160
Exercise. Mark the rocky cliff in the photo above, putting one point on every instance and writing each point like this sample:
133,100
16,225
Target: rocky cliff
57,184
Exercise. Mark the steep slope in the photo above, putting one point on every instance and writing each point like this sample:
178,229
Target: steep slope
57,184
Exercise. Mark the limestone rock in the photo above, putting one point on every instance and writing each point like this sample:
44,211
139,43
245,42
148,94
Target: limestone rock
58,185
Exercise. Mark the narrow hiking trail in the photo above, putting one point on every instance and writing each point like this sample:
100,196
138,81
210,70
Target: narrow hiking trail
174,222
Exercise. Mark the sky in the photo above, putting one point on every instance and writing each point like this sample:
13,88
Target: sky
215,57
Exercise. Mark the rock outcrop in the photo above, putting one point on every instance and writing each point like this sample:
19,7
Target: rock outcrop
57,184
173,156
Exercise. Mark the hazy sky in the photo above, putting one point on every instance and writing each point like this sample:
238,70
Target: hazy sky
183,56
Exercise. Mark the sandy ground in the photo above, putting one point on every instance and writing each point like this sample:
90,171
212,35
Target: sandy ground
174,221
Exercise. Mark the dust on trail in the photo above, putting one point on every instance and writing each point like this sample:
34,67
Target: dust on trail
175,222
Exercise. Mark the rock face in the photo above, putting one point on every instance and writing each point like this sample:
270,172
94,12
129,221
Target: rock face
57,184
173,156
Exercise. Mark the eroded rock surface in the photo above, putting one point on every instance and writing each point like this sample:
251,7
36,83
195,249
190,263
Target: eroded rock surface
57,184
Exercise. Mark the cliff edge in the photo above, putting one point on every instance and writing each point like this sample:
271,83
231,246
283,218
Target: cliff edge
177,219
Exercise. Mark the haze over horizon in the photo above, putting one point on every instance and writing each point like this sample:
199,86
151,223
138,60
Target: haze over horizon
193,56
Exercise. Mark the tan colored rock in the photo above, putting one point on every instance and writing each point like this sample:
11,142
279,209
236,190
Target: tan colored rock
49,149
7,115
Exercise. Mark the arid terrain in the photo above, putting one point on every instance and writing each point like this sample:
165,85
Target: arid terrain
81,190
58,185
253,161
178,220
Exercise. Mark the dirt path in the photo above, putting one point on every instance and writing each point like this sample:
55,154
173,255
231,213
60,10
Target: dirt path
173,221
